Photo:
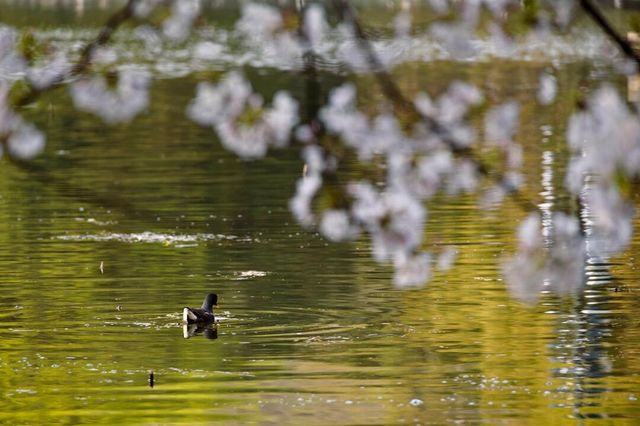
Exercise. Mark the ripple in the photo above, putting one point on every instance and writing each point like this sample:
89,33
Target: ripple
177,240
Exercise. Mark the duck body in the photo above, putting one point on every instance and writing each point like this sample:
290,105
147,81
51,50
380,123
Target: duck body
202,315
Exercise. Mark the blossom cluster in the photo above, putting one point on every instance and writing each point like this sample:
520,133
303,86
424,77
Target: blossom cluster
551,257
22,140
605,140
128,99
237,115
430,152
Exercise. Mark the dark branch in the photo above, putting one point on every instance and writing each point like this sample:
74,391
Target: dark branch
80,67
599,18
394,94
389,87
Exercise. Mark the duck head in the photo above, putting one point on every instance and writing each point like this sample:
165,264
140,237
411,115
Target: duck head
210,302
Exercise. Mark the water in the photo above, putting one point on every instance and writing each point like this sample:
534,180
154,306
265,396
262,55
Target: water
113,230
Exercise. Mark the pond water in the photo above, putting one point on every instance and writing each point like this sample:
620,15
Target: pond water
107,235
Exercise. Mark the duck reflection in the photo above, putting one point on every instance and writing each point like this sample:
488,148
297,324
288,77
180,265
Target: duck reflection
210,331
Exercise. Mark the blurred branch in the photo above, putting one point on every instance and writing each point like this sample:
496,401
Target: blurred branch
394,94
598,17
389,87
41,173
112,24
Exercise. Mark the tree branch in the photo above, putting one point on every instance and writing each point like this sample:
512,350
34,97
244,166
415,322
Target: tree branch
112,24
394,94
598,17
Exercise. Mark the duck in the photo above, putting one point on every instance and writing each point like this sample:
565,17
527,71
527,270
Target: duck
202,315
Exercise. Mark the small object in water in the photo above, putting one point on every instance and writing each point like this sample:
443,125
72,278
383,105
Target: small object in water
416,402
203,315
119,308
151,379
101,267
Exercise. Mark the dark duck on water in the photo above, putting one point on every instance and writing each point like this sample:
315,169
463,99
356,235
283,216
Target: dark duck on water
203,315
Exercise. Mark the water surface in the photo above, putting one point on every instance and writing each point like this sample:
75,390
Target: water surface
113,230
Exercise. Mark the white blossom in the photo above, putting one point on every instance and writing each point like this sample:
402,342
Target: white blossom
183,14
502,44
499,7
555,264
315,25
425,105
605,138
547,90
150,37
51,72
10,61
130,97
224,106
524,277
393,219
530,233
455,102
610,220
566,260
143,8
412,271
259,20
447,258
368,138
402,24
501,123
455,38
216,104
281,118
464,179
316,161
420,176
336,225
25,142
440,6
300,204
8,118
247,142
563,11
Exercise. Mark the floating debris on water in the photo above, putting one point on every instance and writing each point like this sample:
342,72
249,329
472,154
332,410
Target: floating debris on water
416,402
101,267
245,275
151,379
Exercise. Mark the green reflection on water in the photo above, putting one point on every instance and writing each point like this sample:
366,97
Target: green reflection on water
310,333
